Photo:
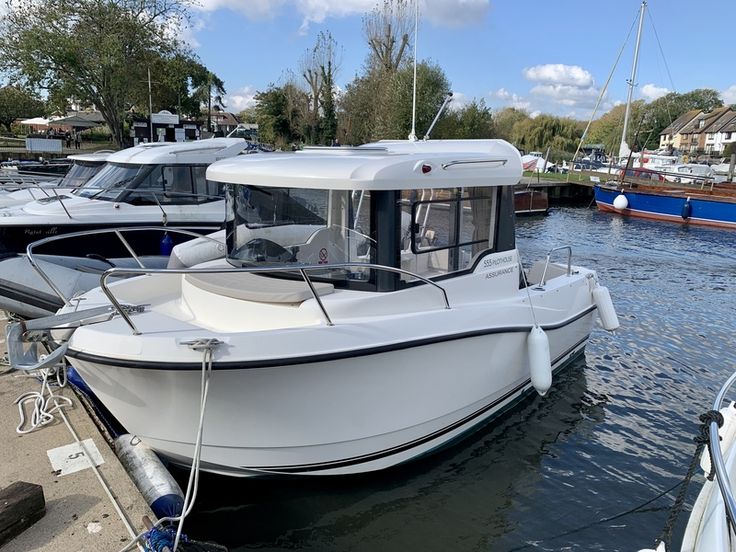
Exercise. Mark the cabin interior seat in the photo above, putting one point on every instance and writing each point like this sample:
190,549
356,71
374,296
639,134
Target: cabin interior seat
253,287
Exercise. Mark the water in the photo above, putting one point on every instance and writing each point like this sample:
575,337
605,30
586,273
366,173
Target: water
615,431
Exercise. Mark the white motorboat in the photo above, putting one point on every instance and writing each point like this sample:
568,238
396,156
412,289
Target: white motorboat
22,189
401,322
146,185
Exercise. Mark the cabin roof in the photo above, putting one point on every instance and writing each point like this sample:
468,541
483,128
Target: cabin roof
199,152
91,157
388,165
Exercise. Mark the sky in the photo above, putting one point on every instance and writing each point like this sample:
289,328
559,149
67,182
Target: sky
544,56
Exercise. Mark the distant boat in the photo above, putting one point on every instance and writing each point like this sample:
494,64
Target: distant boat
687,193
530,201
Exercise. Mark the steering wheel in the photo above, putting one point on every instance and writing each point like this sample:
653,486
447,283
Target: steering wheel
263,250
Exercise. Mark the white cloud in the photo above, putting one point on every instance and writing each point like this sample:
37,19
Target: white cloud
459,101
535,114
442,13
454,13
241,99
510,98
565,94
559,73
729,95
651,92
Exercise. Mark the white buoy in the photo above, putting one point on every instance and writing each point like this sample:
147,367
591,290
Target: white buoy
153,480
540,363
620,202
606,311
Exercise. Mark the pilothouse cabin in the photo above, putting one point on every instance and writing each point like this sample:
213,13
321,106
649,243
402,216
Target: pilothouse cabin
428,208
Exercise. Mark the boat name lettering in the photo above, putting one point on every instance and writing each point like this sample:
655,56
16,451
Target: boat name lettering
490,262
40,231
507,270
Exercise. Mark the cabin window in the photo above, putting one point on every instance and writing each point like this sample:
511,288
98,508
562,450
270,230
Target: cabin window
445,230
298,226
172,185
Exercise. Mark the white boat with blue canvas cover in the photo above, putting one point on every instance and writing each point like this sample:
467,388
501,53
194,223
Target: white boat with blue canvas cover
370,310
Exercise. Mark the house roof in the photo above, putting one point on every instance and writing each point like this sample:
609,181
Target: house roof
719,124
676,125
708,118
224,118
730,126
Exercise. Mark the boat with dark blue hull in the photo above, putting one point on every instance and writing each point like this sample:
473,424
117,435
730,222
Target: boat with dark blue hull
706,207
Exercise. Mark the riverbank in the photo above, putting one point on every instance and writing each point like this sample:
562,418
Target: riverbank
79,513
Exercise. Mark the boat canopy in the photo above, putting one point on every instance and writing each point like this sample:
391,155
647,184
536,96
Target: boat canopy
381,166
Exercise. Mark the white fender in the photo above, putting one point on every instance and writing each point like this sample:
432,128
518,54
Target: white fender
660,548
540,363
606,311
620,202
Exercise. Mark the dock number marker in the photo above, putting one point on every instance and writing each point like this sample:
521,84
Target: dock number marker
73,458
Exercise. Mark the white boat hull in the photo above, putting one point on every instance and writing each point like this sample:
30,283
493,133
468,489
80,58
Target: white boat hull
332,416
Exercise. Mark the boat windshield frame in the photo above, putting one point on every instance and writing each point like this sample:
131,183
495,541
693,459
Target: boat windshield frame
80,173
151,184
278,227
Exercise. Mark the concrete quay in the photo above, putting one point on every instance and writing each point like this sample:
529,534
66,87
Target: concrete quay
79,514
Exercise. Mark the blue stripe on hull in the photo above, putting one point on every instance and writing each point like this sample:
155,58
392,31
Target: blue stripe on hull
669,207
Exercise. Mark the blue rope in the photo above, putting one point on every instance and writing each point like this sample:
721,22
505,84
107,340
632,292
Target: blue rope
159,538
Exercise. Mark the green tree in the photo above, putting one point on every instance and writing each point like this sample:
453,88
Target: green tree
559,133
209,90
472,121
97,51
17,103
505,120
608,128
279,114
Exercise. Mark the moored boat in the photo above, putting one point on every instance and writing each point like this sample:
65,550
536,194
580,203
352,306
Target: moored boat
148,185
380,314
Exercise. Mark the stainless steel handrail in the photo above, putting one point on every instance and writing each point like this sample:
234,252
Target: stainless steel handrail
543,280
187,231
724,484
302,269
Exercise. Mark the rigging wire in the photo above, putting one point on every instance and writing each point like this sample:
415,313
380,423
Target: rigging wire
603,92
666,66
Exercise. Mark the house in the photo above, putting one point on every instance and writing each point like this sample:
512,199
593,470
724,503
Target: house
693,134
222,121
670,137
721,132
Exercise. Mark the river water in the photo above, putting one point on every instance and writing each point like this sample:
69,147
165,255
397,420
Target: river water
554,473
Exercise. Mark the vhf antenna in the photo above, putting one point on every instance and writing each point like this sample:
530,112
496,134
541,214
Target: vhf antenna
413,134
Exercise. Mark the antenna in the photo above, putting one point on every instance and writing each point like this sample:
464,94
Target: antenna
413,133
448,99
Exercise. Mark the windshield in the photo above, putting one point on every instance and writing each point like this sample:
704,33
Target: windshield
272,226
108,183
79,173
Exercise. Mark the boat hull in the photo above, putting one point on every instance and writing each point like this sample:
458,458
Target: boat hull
668,206
15,238
352,413
531,201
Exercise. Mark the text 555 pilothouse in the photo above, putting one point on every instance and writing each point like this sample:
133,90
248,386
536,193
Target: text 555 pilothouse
371,309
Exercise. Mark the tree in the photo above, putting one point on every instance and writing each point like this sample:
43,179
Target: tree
607,129
561,134
388,28
16,103
318,68
378,105
279,114
97,51
473,121
505,120
205,82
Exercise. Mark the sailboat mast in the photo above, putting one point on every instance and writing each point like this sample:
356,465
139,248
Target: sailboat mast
624,149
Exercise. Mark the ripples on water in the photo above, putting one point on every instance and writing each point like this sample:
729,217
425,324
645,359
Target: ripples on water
615,431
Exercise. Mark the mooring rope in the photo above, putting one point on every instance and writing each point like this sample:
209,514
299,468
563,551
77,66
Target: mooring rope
702,441
207,347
